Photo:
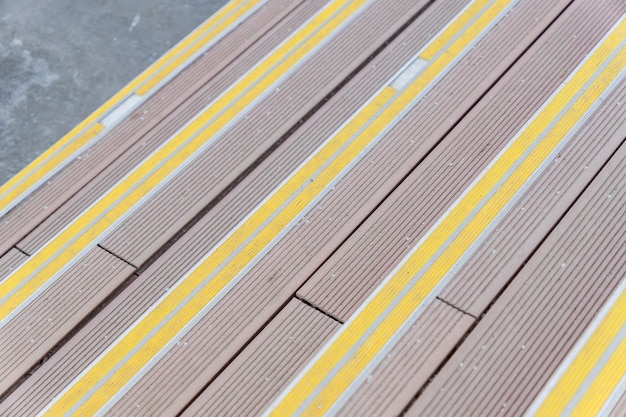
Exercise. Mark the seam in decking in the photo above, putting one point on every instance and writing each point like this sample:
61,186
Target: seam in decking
118,257
457,232
21,251
327,314
508,283
459,309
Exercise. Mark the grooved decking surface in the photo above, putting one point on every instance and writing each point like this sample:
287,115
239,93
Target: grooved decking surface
334,207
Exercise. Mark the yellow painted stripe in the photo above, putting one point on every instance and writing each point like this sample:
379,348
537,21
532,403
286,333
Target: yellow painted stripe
221,280
205,34
584,363
83,231
21,183
611,375
355,330
259,239
17,187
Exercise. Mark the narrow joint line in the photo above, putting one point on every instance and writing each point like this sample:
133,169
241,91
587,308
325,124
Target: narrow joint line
17,248
116,256
459,309
327,314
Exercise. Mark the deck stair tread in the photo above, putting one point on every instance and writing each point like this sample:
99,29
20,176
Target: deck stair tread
334,207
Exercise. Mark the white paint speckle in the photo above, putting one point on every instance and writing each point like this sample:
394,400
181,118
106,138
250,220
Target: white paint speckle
135,22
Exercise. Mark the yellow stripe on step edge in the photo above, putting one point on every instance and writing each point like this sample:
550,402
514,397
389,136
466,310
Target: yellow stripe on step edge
21,184
291,403
113,375
219,282
584,363
82,232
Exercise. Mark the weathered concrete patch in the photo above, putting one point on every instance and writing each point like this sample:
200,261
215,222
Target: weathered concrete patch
19,72
60,60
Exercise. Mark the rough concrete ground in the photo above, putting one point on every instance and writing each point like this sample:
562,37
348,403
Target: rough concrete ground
61,59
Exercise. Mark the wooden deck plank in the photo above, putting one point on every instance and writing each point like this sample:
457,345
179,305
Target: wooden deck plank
252,381
176,105
344,282
184,196
10,261
518,345
401,174
34,331
78,170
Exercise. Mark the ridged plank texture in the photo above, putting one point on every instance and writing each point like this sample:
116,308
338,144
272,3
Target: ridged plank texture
168,268
301,251
254,379
520,342
11,261
185,97
132,129
407,367
343,283
515,238
178,201
30,334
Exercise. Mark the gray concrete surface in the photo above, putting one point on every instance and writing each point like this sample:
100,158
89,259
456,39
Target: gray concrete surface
61,59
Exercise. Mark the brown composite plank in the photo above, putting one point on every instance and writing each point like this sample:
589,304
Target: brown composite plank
185,195
393,383
50,379
10,261
515,238
30,335
223,326
274,278
523,338
207,79
253,380
357,268
235,308
132,130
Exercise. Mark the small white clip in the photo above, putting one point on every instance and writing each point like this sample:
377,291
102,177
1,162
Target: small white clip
409,74
120,110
